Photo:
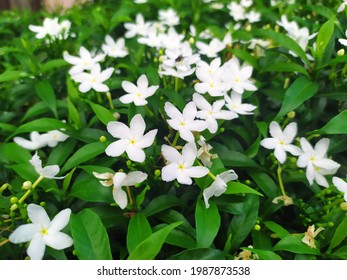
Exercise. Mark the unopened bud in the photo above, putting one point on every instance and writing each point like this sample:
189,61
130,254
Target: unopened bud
157,173
13,200
102,139
161,58
249,28
291,115
330,224
42,203
116,115
343,206
341,52
257,227
191,40
27,185
128,162
13,207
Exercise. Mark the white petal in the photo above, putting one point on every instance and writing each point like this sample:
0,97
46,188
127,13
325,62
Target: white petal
85,86
170,154
115,149
275,130
310,173
106,74
134,177
305,145
340,184
294,150
23,233
38,215
142,82
321,147
172,111
118,130
196,171
198,125
120,197
127,98
118,179
60,220
129,87
228,176
26,144
148,139
290,132
99,87
189,111
280,154
201,102
269,143
135,154
103,176
137,126
36,162
303,161
189,153
183,178
320,179
186,135
326,164
36,249
169,172
58,240
50,171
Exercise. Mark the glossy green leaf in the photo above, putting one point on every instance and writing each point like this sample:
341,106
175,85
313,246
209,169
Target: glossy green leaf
73,116
161,203
53,64
139,230
300,91
277,229
292,243
321,10
340,253
238,188
207,222
91,190
337,125
200,254
85,153
103,114
285,67
46,93
323,37
263,254
11,75
265,183
178,238
150,247
339,235
91,241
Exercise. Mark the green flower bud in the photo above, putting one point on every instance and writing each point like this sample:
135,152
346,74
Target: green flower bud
14,207
257,227
343,206
13,200
291,115
330,224
42,203
27,185
157,173
191,40
128,163
102,139
341,52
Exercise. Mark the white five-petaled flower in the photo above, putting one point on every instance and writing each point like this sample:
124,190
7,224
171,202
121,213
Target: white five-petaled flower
341,185
184,122
42,231
234,104
52,28
281,141
316,162
48,172
219,186
94,80
210,113
119,180
140,27
169,17
85,61
180,166
114,49
212,49
132,139
137,94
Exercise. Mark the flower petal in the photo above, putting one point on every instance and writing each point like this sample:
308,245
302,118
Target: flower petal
50,171
60,220
134,177
137,126
169,172
37,215
275,130
189,153
321,147
148,139
340,184
196,171
135,154
116,148
172,111
118,130
142,82
186,135
170,154
23,233
36,248
269,143
129,87
58,240
280,154
120,197
290,132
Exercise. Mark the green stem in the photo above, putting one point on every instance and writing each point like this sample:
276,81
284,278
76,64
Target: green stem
131,202
98,96
109,98
177,81
279,176
176,139
149,111
27,193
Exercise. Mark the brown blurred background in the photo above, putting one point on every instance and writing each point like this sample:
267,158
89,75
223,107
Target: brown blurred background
49,5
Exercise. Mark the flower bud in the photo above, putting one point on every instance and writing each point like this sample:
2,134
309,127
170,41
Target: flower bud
13,200
116,115
330,224
42,203
343,206
102,139
13,207
341,52
191,40
128,163
27,185
157,173
291,115
257,227
249,28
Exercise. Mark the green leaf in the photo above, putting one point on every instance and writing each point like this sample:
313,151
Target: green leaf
339,235
150,247
300,91
46,93
341,253
161,203
238,188
52,64
263,254
323,37
15,153
283,41
207,222
292,243
337,125
91,190
74,116
84,154
276,228
90,237
40,125
242,224
178,238
67,179
321,10
285,67
265,183
11,75
103,114
200,254
139,230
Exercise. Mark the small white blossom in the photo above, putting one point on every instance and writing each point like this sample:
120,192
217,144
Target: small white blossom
234,104
132,139
281,141
52,28
316,162
219,186
184,122
114,49
212,49
341,185
94,80
236,11
48,172
180,166
137,94
140,27
169,17
43,232
343,41
342,6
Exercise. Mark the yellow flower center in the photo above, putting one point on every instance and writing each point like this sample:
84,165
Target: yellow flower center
44,231
281,142
312,158
93,80
132,141
181,166
182,123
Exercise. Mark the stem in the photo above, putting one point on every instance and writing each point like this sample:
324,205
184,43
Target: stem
28,192
108,95
98,96
130,196
149,111
176,139
177,81
279,176
4,242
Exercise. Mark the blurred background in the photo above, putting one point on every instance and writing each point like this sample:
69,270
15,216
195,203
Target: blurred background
49,5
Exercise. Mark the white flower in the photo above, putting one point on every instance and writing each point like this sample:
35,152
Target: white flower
36,141
341,185
316,162
181,167
211,49
140,1
184,122
342,6
210,113
114,49
246,3
132,139
46,172
94,80
237,77
52,28
234,104
281,141
343,41
137,94
85,61
119,180
140,27
219,186
42,231
310,235
236,11
204,152
169,17
253,16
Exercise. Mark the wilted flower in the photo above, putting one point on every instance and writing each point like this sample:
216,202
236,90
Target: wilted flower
204,152
42,231
132,139
247,255
180,166
310,235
